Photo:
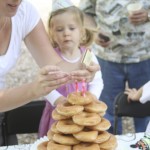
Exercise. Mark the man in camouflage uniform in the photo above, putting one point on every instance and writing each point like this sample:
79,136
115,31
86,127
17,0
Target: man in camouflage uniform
125,55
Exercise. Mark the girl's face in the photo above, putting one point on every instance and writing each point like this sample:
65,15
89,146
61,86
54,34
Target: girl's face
9,8
66,31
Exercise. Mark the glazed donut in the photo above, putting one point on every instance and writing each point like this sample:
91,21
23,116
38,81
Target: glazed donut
42,146
55,146
50,134
76,98
53,128
65,139
57,116
111,143
86,146
86,136
102,126
67,109
102,137
96,107
68,127
86,119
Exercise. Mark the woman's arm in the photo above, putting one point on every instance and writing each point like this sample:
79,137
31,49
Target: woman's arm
40,47
48,79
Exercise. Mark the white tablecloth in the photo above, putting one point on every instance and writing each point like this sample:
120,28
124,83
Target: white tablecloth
17,147
124,142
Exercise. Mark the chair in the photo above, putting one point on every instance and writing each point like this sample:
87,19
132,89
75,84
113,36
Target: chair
24,119
125,109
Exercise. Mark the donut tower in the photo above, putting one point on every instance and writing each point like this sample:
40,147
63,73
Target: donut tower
80,124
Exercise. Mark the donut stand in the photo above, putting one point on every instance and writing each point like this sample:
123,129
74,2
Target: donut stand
80,124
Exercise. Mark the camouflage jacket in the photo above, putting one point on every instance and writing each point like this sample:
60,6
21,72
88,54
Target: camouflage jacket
129,43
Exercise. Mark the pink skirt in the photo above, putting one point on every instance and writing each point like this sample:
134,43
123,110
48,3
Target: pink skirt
46,120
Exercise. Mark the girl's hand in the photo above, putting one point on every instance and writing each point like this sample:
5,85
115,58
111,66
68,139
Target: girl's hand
138,17
86,73
49,78
60,100
133,94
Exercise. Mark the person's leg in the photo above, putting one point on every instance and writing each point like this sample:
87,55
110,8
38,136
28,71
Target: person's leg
113,75
138,75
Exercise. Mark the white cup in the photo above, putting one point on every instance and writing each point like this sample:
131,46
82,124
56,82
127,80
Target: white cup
134,7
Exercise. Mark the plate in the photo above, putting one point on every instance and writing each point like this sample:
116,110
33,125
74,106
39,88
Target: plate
39,141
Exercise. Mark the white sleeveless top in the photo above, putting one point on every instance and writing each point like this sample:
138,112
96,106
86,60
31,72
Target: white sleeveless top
23,23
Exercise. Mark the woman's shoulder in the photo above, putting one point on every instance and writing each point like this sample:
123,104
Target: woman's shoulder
26,18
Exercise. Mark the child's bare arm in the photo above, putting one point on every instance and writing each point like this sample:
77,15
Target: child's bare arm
134,94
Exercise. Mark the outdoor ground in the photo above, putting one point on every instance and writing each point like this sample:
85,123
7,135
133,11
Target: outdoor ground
26,69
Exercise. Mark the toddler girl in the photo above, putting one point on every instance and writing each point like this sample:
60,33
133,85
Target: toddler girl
70,40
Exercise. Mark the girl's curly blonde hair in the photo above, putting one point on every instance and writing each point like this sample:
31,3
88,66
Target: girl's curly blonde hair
88,35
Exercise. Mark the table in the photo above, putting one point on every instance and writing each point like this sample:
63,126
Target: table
124,142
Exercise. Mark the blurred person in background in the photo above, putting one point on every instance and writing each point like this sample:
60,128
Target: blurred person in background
142,95
123,48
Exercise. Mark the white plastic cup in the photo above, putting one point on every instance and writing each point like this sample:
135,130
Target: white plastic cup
134,7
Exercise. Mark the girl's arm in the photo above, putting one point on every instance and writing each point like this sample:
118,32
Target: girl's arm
145,93
96,85
55,97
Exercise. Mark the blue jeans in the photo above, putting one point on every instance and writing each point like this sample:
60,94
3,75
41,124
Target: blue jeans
115,76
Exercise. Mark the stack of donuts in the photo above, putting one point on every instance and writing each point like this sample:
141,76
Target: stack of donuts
80,125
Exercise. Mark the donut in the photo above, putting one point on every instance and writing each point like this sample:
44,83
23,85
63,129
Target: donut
42,146
55,146
50,134
102,126
86,119
111,143
102,114
65,139
68,127
96,107
86,136
76,98
57,116
53,128
102,137
67,109
86,146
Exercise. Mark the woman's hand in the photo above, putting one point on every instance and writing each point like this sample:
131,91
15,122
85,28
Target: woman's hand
133,94
138,17
87,73
49,78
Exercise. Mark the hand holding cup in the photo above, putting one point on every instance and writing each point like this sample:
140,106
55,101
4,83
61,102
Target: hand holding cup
137,15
